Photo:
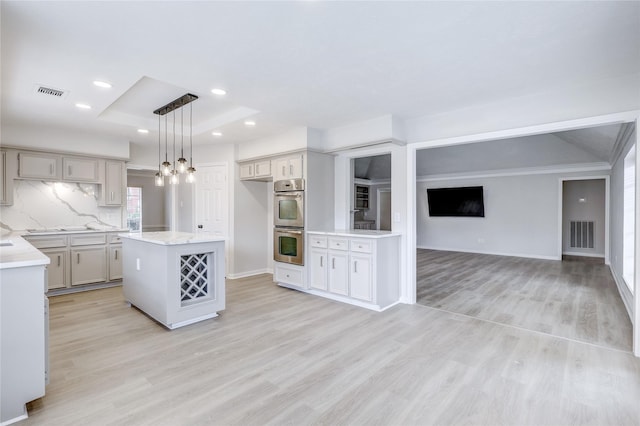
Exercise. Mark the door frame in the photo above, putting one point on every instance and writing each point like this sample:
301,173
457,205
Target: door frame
607,198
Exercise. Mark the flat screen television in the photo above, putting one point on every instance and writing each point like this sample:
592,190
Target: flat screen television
463,201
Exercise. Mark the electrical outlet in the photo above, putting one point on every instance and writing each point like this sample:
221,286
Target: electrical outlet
480,240
137,263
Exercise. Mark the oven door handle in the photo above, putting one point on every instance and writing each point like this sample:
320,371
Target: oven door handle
289,232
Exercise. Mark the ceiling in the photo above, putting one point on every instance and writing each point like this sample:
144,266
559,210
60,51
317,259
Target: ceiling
307,63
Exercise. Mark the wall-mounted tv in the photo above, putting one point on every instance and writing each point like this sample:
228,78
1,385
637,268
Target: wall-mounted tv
463,201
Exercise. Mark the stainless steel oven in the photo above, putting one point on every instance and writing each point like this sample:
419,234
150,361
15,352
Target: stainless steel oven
288,245
288,203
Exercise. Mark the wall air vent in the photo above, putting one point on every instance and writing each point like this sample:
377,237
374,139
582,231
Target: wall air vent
49,91
582,234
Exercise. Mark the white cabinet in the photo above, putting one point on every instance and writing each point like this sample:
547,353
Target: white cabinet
256,170
288,168
113,183
88,265
290,275
8,164
115,262
57,269
80,169
358,270
39,166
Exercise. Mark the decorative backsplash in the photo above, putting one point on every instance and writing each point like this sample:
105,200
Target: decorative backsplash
38,204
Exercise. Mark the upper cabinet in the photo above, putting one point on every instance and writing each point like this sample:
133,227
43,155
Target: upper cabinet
35,165
80,169
112,193
288,168
7,174
267,169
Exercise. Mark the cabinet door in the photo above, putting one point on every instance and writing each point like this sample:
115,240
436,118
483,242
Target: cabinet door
318,269
56,270
38,166
360,277
113,183
246,171
282,169
88,265
3,177
115,262
263,169
339,273
80,169
295,167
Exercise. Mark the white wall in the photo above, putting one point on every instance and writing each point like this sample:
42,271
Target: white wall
592,208
294,139
521,217
377,129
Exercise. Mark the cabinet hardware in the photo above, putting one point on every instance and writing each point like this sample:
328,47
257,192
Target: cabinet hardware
58,261
333,263
50,169
283,172
111,195
69,170
257,168
355,266
116,254
78,261
291,169
321,261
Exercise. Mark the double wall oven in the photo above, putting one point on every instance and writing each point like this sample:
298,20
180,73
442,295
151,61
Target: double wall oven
288,218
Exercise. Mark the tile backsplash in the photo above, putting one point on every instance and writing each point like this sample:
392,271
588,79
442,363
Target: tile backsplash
38,204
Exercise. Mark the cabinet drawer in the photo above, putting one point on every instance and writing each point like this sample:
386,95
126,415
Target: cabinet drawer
338,243
362,246
289,275
115,238
48,242
88,240
317,241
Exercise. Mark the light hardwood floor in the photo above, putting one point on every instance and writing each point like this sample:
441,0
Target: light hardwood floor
277,356
573,299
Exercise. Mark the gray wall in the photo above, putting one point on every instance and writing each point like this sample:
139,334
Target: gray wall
521,217
592,209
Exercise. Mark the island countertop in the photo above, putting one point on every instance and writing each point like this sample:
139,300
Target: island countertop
171,238
16,252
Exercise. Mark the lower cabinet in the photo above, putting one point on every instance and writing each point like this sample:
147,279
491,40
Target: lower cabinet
290,275
88,265
115,263
363,271
57,269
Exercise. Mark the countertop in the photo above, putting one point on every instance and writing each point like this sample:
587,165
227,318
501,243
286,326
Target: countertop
67,231
172,238
361,233
20,253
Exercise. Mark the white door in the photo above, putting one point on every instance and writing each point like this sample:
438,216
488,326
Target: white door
212,200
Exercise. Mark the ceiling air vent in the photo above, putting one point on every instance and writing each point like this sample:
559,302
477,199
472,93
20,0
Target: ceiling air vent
44,90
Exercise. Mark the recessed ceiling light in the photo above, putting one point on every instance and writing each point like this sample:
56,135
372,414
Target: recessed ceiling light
83,106
103,84
216,134
249,123
145,131
219,92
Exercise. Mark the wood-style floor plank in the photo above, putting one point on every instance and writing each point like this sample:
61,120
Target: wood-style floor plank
277,356
573,299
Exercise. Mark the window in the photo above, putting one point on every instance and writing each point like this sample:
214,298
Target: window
628,221
134,208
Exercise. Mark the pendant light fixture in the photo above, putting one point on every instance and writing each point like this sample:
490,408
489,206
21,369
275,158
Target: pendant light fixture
182,162
180,165
191,170
159,175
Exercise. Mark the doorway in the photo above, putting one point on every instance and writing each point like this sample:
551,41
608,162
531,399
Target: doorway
384,209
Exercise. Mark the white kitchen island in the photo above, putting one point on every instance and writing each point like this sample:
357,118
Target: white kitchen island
176,278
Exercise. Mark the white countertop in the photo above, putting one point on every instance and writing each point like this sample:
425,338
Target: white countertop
68,230
172,238
20,253
362,233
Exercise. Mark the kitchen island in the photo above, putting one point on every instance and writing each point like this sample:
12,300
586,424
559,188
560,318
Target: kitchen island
24,326
176,278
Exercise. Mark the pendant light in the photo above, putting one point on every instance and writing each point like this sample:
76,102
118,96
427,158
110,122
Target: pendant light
182,162
159,175
191,170
166,165
180,165
174,173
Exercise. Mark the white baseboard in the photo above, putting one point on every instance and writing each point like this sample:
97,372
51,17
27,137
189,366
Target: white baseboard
249,273
572,253
625,294
530,256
